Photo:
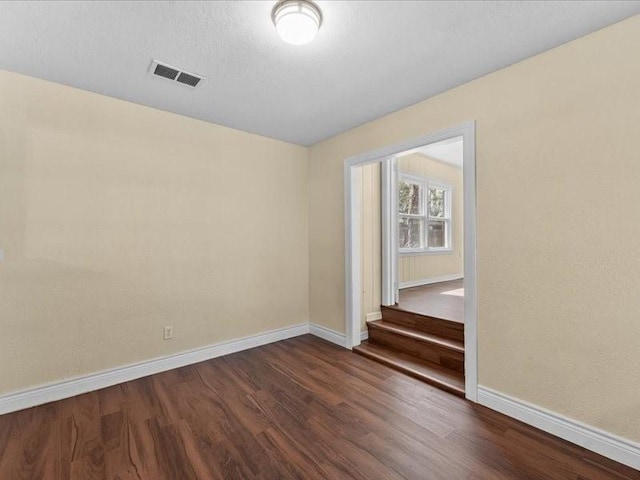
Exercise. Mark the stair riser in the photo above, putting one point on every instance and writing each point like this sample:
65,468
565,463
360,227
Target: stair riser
435,326
427,351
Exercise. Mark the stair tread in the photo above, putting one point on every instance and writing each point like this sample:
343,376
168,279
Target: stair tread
418,335
421,369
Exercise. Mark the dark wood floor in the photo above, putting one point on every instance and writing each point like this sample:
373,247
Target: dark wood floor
432,300
297,409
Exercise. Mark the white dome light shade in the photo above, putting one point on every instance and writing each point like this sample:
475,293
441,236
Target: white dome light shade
297,21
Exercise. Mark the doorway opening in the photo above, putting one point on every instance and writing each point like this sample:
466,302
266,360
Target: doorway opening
429,219
425,279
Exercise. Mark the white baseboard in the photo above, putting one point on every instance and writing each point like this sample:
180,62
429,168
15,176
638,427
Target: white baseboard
76,386
32,397
591,438
373,316
429,281
332,336
328,334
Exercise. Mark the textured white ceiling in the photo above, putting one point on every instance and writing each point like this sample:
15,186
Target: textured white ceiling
370,57
448,151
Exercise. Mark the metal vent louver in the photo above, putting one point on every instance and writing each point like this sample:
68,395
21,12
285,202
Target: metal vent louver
166,72
188,79
175,74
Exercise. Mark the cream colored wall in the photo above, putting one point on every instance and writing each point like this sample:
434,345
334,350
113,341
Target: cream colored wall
117,219
370,241
421,267
557,210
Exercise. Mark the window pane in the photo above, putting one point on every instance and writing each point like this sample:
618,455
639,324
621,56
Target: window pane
409,198
410,233
437,234
436,202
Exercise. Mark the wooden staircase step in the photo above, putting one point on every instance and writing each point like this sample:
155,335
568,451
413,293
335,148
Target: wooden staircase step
428,372
418,335
435,326
445,352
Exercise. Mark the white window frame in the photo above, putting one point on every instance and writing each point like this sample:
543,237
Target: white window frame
425,184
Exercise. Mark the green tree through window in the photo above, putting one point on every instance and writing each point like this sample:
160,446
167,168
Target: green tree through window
424,208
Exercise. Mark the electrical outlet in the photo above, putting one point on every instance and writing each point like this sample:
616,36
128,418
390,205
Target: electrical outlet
168,332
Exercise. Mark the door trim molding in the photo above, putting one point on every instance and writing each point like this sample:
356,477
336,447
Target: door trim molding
352,239
389,242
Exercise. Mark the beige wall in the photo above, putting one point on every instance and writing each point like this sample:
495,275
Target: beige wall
413,268
558,208
370,241
117,219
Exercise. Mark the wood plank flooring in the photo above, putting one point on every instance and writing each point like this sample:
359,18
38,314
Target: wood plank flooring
432,301
297,409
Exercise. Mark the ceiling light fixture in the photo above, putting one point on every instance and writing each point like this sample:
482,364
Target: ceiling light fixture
297,21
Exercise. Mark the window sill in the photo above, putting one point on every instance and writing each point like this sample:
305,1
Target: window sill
412,253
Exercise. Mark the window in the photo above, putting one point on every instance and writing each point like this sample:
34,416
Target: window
424,214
